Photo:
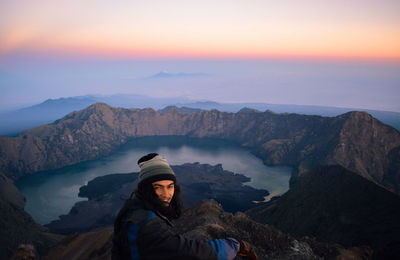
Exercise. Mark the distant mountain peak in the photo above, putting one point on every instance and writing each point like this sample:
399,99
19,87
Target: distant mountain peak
248,110
183,110
165,75
100,105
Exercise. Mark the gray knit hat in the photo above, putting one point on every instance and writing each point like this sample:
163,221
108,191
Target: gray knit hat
155,169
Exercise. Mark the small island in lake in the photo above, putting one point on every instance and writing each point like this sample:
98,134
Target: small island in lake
198,182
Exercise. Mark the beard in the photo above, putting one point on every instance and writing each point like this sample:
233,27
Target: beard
167,210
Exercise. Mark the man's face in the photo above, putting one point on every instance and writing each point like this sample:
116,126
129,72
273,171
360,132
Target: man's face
164,190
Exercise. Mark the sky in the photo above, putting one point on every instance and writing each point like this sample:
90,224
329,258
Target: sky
311,52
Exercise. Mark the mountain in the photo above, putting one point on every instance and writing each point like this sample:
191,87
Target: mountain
387,117
14,122
337,206
183,110
198,182
208,220
354,140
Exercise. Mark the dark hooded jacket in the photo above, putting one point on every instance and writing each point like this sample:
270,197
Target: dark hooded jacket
140,232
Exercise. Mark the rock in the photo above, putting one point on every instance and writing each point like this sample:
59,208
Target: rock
92,245
24,252
10,193
207,220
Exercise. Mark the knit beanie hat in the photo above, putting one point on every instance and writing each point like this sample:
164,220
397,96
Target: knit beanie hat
153,168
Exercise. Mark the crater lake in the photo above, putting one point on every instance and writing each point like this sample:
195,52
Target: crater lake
52,193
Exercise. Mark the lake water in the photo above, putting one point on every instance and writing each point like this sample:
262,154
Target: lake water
53,193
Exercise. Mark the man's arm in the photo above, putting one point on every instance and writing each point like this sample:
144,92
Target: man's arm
156,240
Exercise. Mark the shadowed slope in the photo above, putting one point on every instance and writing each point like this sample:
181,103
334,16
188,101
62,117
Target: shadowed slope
337,206
17,226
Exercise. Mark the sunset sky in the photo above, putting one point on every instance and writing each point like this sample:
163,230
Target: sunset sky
217,28
52,49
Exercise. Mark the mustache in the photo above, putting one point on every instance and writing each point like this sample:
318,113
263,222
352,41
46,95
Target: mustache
164,202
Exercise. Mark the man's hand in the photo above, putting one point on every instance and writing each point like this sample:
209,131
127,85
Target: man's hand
247,250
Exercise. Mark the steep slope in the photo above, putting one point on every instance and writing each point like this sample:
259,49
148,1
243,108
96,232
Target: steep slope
337,206
16,226
355,140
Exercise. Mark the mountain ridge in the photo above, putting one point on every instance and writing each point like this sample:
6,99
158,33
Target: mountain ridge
279,139
15,121
354,140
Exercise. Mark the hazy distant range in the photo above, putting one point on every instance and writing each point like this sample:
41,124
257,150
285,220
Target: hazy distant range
13,122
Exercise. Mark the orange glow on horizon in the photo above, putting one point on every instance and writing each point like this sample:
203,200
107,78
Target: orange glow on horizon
151,52
329,45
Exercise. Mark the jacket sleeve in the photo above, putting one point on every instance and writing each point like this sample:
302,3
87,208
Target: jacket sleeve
155,240
226,248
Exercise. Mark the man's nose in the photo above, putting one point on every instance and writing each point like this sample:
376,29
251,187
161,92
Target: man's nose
164,192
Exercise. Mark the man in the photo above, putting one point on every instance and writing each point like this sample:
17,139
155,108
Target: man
142,229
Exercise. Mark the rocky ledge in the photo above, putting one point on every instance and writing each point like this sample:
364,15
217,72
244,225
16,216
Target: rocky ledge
207,220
